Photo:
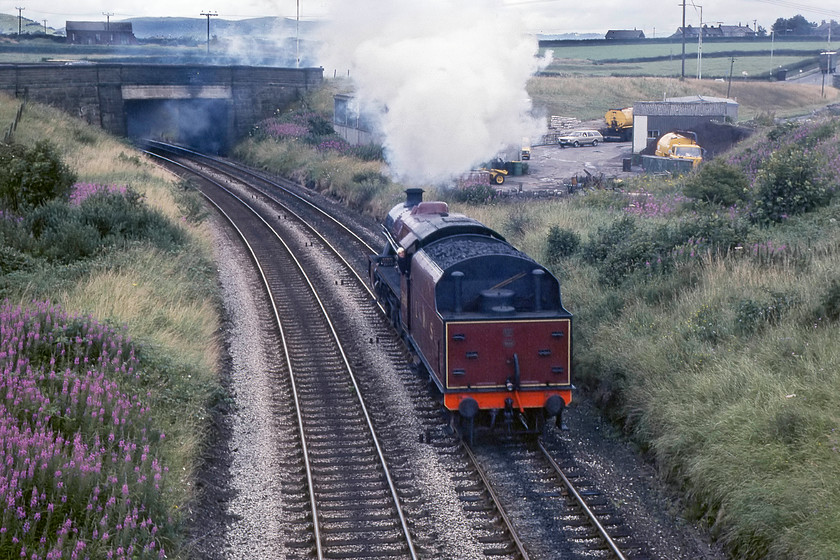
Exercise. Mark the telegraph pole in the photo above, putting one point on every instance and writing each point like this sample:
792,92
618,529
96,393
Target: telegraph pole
731,66
297,36
208,14
682,74
20,18
45,27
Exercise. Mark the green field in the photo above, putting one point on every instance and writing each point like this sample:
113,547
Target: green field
752,59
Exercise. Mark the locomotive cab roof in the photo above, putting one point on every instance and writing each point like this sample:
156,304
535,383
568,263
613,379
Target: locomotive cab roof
415,225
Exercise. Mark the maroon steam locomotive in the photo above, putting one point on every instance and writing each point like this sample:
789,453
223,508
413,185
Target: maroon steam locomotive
485,319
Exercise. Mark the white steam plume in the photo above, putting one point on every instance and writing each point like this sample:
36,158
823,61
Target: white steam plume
444,81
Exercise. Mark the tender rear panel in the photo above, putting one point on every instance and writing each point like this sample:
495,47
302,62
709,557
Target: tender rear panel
480,354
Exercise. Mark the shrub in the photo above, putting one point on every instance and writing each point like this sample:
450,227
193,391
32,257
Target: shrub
607,238
517,223
366,185
718,182
476,193
124,217
561,243
782,130
190,202
751,315
830,302
320,126
717,231
368,152
32,176
788,185
65,232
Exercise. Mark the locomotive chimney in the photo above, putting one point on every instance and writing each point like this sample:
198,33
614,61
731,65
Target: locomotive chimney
413,197
538,274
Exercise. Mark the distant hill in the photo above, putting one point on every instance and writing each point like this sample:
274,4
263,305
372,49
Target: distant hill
196,28
175,28
9,25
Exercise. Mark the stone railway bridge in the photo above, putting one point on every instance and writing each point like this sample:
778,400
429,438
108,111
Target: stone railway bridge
206,107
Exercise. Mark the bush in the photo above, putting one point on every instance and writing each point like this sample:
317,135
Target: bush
607,238
719,183
320,126
788,185
561,243
620,249
64,232
368,152
475,193
31,177
190,202
830,302
751,315
121,217
715,231
366,185
517,223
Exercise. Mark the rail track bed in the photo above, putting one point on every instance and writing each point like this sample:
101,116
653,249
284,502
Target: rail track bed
376,471
555,507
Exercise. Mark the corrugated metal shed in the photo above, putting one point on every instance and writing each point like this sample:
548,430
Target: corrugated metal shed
693,106
651,119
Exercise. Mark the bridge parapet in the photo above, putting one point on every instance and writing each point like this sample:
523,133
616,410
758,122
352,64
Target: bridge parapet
98,93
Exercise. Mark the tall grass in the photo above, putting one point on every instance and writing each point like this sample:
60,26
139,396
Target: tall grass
166,299
726,365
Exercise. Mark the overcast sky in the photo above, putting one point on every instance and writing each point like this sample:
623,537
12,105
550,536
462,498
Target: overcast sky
655,18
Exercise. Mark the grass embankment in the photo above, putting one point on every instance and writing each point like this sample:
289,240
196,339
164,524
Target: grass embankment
710,333
131,294
589,98
706,314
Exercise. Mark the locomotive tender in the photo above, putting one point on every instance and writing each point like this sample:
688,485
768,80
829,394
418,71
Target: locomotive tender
485,319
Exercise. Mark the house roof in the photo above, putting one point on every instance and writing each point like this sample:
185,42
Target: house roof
625,34
99,26
700,99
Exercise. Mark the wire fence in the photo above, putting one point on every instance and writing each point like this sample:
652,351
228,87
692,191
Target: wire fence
7,137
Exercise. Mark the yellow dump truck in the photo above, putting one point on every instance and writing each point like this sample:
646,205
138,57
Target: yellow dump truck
679,146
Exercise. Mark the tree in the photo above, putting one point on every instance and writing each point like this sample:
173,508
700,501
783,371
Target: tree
797,25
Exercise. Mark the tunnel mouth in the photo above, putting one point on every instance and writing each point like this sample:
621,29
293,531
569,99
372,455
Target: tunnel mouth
200,124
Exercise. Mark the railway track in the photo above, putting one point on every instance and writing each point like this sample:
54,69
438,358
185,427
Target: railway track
566,515
354,506
350,529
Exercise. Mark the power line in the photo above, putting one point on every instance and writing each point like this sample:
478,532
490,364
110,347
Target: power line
800,6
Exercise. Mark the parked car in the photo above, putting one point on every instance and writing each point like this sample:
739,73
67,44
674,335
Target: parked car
580,138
